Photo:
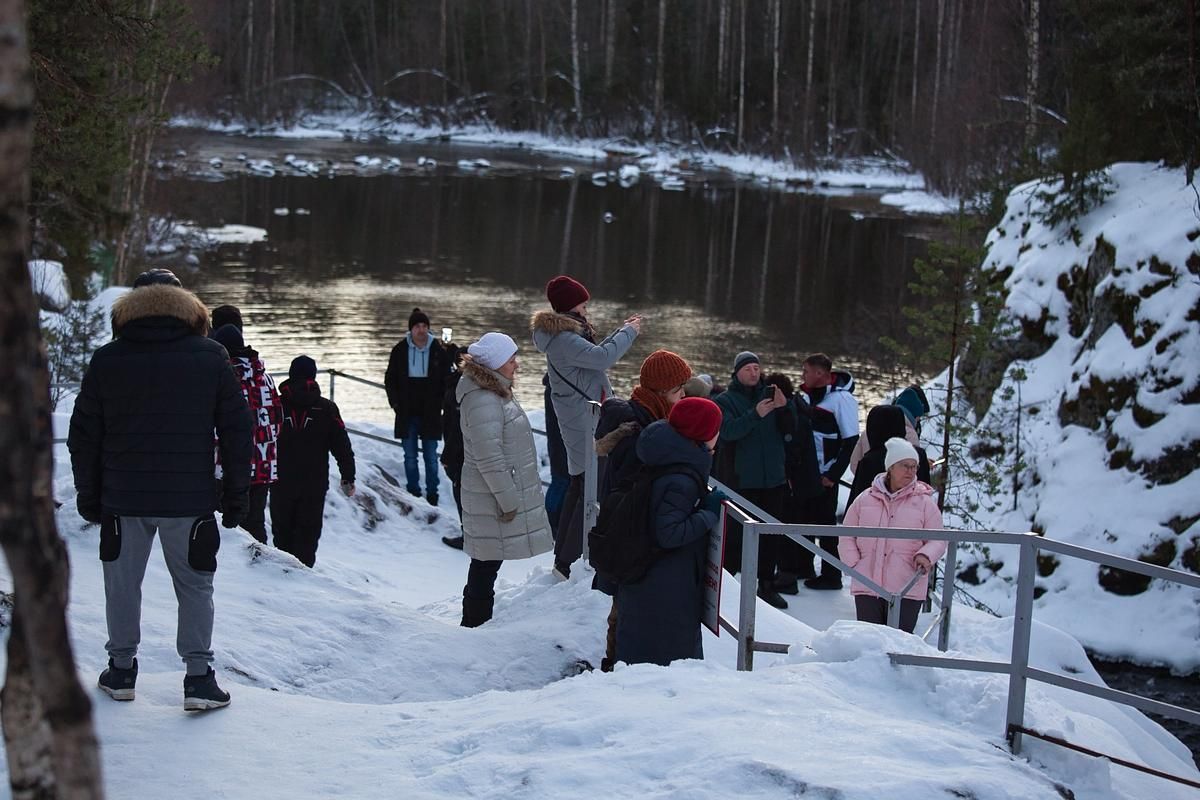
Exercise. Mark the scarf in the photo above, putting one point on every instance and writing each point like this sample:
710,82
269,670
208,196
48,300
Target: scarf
652,401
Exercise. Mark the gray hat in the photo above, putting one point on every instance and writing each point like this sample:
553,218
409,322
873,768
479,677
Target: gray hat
743,358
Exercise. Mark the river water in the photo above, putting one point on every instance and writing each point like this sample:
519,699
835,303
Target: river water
715,267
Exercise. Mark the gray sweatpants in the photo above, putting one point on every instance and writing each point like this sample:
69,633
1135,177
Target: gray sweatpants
123,592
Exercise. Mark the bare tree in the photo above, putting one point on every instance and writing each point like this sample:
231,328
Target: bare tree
937,72
741,120
659,68
47,717
1032,35
916,57
610,44
808,77
722,50
576,79
775,57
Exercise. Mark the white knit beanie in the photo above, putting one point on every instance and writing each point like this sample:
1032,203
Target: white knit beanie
897,450
493,350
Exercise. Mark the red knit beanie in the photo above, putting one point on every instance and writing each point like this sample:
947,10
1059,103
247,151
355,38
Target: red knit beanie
696,418
663,370
564,293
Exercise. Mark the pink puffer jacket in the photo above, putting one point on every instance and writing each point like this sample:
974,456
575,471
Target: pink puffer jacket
889,562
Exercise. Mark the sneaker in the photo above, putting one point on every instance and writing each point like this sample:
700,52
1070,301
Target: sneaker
118,683
770,596
453,541
562,571
201,693
824,583
415,491
432,498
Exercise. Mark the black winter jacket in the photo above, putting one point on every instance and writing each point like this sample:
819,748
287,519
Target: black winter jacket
141,436
453,453
658,618
312,429
417,397
883,423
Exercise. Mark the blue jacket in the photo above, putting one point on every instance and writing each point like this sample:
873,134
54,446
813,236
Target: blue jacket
658,618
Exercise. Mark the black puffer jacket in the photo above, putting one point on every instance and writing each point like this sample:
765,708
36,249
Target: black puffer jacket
658,618
312,429
883,423
141,435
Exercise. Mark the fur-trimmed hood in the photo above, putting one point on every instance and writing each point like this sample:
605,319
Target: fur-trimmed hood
553,322
608,442
483,378
160,300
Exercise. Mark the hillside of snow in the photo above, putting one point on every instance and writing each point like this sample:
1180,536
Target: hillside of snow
1102,316
353,680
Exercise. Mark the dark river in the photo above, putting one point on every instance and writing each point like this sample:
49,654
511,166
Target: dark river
716,267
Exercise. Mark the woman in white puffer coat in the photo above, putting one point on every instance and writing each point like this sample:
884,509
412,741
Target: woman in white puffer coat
504,515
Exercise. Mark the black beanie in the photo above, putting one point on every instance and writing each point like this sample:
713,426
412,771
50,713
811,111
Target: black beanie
303,368
417,316
158,275
227,315
230,337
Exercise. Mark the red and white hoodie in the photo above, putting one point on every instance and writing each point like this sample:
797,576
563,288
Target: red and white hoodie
267,409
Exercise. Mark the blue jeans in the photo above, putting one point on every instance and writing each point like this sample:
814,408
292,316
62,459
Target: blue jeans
430,449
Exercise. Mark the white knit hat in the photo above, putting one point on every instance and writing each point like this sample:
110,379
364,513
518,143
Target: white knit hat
897,450
493,350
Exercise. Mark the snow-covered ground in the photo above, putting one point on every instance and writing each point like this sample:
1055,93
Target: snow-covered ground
353,680
669,164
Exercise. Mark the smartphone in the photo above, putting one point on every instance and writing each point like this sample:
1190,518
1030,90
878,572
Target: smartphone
447,333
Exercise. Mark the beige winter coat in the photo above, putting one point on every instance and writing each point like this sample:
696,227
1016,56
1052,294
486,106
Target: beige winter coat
500,471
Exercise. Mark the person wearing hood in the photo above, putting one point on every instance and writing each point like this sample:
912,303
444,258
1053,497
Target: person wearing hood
754,424
914,405
258,387
504,515
312,430
896,499
659,616
141,443
834,416
883,423
576,367
661,382
416,376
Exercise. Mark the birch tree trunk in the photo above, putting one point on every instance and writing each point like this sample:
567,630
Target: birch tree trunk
808,77
659,69
1032,36
776,15
610,44
916,58
741,120
722,53
49,741
575,78
937,72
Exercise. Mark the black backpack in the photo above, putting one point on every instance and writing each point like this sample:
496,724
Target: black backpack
622,546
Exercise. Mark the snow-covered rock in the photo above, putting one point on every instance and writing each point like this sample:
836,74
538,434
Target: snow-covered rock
1104,319
50,284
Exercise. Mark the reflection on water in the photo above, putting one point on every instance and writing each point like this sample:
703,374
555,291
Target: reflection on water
714,269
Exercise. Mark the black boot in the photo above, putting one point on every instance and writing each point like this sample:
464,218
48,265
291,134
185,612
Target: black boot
476,610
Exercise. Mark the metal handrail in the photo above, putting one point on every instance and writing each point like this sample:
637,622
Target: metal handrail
1017,668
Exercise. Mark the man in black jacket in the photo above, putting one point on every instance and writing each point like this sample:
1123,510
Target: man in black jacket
416,383
141,453
312,429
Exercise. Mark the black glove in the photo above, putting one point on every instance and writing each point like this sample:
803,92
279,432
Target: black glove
89,508
234,507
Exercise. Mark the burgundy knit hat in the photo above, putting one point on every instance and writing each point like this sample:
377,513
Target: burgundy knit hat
695,418
564,293
663,370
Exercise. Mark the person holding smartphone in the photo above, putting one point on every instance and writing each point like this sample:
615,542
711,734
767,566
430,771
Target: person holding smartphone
752,429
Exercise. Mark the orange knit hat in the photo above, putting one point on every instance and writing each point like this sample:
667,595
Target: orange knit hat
663,370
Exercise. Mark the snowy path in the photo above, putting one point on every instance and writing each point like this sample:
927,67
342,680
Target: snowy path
353,680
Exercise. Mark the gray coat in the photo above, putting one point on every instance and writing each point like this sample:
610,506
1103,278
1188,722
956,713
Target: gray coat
500,471
576,366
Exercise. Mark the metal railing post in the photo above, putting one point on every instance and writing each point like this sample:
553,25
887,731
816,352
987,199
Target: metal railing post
893,618
332,382
590,468
1022,626
951,568
749,596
